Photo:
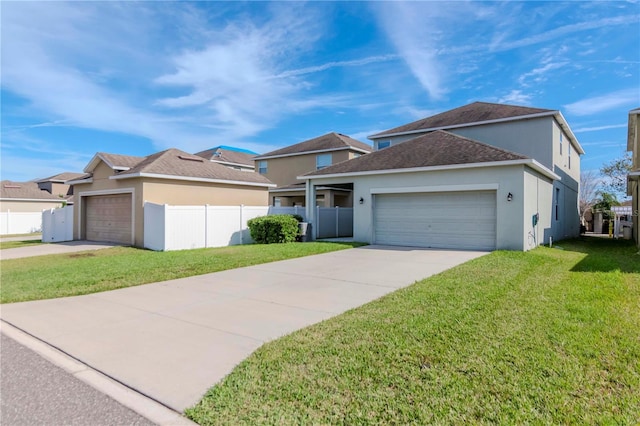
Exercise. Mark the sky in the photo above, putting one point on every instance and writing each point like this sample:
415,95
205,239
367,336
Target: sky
136,78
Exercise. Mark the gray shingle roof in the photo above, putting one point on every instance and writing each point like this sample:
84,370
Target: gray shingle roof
438,148
25,190
120,161
174,162
330,141
220,154
471,113
61,177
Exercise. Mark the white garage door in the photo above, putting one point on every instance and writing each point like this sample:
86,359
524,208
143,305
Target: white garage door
108,218
456,220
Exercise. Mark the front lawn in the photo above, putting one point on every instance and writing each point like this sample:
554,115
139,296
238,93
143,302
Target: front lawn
17,244
545,337
47,277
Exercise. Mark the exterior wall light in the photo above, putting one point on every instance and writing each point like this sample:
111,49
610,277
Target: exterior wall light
361,200
509,197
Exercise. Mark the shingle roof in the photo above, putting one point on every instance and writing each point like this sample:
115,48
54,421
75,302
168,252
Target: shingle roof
25,190
330,141
174,162
61,177
472,113
120,161
438,148
225,154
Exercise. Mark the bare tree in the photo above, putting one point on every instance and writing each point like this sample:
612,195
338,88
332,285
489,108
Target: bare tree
589,181
616,172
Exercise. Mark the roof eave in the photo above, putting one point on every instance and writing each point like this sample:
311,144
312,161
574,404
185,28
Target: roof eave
39,200
79,181
192,179
527,162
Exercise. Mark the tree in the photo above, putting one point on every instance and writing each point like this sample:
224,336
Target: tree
616,173
588,190
605,201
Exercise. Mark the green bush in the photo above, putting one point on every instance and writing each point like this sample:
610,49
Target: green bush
277,228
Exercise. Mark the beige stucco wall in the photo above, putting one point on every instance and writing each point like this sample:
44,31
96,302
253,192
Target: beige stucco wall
285,170
163,191
513,218
29,206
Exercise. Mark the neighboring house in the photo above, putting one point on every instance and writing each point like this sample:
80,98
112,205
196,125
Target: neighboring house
235,158
21,206
56,185
633,187
110,197
283,166
483,176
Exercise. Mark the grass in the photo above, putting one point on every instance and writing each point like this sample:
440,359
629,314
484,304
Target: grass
545,337
17,244
47,277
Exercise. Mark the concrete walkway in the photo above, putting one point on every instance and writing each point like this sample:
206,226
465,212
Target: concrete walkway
173,340
52,248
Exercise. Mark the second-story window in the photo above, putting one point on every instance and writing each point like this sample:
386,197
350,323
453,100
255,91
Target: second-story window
262,167
384,144
560,143
322,161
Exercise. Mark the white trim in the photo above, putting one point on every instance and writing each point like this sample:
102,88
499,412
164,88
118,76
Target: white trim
192,179
350,148
91,166
228,163
287,190
435,188
131,191
302,189
526,162
79,181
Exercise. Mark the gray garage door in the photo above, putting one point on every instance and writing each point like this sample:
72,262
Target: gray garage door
108,218
456,220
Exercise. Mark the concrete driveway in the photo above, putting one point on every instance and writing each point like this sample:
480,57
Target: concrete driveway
173,340
52,248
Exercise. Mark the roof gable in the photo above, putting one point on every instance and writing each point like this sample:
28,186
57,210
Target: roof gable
61,177
438,148
115,161
329,142
477,112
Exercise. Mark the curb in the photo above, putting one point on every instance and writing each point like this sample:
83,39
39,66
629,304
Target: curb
146,407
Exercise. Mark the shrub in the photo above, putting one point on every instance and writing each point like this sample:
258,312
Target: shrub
277,228
298,217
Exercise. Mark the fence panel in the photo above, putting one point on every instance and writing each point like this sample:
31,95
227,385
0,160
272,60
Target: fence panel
185,227
333,222
345,222
20,222
154,224
57,225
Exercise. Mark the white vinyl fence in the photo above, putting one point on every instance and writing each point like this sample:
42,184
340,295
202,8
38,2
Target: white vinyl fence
57,225
187,227
20,222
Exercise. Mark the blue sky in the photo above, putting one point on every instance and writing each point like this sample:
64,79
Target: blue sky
138,77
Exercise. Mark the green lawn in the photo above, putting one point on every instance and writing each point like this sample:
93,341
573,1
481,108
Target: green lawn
16,244
47,277
551,336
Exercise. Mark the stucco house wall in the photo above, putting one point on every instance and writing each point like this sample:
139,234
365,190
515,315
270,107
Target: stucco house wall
285,170
27,206
512,218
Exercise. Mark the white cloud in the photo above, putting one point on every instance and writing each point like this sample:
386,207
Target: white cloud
598,128
515,97
597,104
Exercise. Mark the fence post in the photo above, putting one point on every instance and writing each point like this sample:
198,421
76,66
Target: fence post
206,225
337,221
240,228
8,220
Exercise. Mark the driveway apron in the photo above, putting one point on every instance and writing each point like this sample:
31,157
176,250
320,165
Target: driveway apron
173,340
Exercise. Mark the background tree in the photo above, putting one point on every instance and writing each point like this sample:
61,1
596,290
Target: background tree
589,182
615,173
604,202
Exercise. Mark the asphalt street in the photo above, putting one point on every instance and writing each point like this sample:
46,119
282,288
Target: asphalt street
35,392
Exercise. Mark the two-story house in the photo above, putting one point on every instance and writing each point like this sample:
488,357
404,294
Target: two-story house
284,165
481,176
633,186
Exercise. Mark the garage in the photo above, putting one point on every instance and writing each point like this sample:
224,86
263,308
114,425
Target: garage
108,218
454,220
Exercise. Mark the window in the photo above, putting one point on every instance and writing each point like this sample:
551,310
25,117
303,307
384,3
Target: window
560,143
262,167
384,144
557,206
322,161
